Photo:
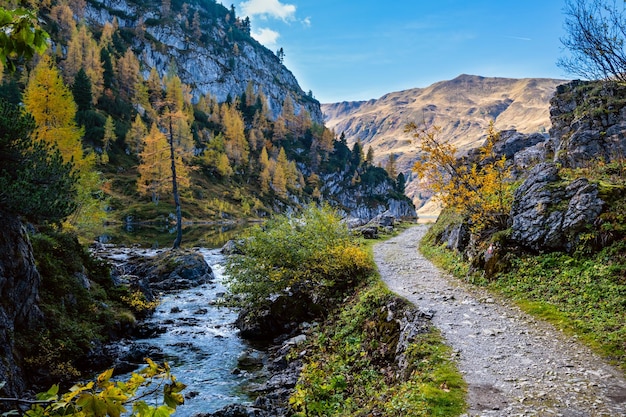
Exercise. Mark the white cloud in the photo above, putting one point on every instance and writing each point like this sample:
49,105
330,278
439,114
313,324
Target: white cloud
266,36
307,21
268,8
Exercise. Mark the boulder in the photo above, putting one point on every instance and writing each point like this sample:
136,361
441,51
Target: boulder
232,247
548,214
234,410
384,219
166,271
458,237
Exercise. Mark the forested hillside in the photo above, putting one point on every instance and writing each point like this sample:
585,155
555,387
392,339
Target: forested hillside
122,80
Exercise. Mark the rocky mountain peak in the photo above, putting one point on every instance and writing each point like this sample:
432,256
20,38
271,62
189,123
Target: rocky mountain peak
221,59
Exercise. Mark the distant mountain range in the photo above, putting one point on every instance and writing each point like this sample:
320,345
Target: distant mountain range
462,107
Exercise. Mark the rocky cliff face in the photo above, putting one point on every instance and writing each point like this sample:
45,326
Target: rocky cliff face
462,107
214,63
19,289
366,201
588,123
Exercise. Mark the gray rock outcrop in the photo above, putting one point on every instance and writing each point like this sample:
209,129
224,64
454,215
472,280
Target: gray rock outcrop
588,122
164,272
549,214
19,296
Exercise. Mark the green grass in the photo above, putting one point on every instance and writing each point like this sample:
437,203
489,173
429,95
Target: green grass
585,296
350,368
581,294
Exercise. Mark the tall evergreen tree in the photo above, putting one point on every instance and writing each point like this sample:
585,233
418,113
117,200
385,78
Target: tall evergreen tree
81,90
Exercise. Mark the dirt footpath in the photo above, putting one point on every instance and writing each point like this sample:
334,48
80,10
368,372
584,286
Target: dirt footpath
514,365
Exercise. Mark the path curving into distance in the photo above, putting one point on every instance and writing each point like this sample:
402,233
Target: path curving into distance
514,365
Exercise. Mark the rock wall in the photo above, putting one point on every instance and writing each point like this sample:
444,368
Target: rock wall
366,201
19,289
588,122
207,67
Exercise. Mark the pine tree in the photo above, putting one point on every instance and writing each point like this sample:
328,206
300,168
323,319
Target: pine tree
81,90
34,181
370,156
357,154
401,183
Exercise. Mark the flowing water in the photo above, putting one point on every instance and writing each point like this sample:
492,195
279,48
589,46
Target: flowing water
201,344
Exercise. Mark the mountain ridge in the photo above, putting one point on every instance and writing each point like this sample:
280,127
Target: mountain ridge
462,107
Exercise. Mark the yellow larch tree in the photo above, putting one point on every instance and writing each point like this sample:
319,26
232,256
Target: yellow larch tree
135,135
480,190
52,106
128,73
109,137
64,18
234,135
154,167
84,52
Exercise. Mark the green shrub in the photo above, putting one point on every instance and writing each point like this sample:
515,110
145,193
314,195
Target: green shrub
314,248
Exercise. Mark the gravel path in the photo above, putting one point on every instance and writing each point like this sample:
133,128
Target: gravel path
513,364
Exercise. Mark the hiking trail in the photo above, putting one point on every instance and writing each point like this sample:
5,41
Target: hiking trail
514,364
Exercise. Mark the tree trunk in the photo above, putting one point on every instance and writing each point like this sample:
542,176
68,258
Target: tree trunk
179,217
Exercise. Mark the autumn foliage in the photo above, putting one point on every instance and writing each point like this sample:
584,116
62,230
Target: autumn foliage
480,190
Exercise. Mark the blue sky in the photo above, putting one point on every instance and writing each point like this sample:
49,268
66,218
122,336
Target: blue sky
358,50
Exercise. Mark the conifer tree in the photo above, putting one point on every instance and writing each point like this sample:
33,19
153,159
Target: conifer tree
64,17
127,73
279,182
135,136
280,130
84,52
234,136
195,26
81,90
34,180
155,87
51,103
390,167
370,156
265,179
215,156
357,154
154,170
108,138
